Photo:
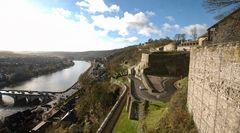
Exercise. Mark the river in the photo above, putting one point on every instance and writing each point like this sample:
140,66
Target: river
55,82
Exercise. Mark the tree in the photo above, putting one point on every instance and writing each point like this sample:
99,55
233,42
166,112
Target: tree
180,37
183,37
194,33
177,37
217,5
150,40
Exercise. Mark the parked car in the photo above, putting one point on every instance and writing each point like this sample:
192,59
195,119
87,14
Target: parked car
141,88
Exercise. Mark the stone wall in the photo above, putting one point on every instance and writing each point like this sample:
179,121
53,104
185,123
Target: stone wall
214,88
184,48
226,30
168,63
144,60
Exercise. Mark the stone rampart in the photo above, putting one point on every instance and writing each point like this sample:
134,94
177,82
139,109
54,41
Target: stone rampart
112,117
214,88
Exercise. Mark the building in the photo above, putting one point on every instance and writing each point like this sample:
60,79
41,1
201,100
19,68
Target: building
186,46
226,29
170,47
202,39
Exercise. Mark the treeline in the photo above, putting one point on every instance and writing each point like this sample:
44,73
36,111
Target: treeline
16,67
96,98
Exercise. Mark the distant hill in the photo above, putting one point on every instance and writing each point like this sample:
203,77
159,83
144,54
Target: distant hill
81,55
9,54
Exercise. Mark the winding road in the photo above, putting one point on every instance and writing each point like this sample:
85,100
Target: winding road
168,86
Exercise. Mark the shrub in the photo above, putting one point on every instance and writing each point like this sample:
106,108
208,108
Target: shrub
177,119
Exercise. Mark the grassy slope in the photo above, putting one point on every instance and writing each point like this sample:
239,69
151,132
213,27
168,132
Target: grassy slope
176,118
154,115
124,125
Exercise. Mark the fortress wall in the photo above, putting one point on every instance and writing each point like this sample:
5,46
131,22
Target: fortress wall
214,88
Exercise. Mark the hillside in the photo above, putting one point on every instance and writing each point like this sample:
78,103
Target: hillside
88,55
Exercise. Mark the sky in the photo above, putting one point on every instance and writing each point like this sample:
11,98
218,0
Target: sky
83,25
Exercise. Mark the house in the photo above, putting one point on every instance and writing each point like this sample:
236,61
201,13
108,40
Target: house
227,29
170,47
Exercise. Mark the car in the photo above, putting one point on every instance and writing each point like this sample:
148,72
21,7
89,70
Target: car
141,88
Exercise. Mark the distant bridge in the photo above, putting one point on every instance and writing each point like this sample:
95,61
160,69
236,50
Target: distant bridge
28,97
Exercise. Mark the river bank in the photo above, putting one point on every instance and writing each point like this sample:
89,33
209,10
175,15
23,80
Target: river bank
52,109
55,82
17,69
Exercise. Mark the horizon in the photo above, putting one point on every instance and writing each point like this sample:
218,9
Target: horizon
87,25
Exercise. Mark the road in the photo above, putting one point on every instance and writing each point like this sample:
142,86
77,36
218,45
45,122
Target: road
145,95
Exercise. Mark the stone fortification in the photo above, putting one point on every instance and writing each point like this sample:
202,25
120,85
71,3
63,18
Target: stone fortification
214,88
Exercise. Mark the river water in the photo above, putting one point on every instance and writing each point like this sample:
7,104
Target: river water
55,82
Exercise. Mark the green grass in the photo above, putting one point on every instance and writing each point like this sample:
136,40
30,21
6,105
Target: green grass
124,125
124,80
125,66
154,114
183,83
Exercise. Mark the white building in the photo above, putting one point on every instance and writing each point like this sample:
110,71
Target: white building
170,47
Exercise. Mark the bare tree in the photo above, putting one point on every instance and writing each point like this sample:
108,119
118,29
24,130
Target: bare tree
194,33
177,37
180,37
183,37
217,5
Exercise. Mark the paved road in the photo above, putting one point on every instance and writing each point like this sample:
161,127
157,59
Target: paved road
145,95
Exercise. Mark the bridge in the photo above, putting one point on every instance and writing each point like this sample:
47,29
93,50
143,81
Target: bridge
25,97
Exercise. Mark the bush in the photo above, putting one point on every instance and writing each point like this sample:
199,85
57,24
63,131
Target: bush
177,119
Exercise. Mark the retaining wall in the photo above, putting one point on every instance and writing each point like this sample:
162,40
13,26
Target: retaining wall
112,117
214,88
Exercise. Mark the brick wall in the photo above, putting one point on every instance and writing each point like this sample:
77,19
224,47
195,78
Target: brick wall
214,88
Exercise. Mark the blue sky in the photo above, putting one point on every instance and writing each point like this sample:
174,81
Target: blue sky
81,25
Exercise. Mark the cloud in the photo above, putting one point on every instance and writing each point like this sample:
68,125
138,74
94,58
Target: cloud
140,23
137,22
61,11
169,27
150,13
127,40
29,28
114,8
201,29
111,24
94,6
170,18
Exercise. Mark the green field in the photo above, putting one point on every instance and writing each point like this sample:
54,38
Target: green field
124,125
154,114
